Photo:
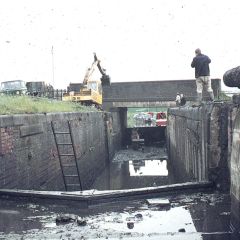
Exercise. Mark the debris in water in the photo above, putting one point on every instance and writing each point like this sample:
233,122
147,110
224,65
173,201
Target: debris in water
157,202
81,221
181,230
130,225
130,218
139,216
65,218
225,214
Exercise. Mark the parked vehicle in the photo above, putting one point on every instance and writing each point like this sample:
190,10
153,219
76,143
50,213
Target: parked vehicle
161,119
39,89
144,119
14,87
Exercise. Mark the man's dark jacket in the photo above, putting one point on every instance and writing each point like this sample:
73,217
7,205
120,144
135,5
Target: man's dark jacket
201,65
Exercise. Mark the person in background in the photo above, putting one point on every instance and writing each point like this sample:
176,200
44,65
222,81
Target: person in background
178,100
202,74
135,134
182,100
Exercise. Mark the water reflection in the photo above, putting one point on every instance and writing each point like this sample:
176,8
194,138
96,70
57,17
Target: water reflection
155,221
195,216
133,174
198,216
148,168
12,214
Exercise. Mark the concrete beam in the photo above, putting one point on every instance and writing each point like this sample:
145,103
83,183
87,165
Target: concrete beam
144,104
89,197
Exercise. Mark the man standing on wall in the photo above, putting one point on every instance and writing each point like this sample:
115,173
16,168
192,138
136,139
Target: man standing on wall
202,74
183,100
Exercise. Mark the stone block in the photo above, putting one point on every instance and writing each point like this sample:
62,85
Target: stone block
31,130
236,99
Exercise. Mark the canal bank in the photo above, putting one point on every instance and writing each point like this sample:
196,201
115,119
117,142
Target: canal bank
28,152
203,144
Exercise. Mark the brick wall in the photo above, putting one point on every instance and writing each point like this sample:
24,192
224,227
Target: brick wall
6,140
28,153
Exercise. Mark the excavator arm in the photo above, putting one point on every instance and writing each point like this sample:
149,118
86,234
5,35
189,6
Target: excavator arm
105,79
90,70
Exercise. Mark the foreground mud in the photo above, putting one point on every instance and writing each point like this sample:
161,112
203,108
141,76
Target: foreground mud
197,216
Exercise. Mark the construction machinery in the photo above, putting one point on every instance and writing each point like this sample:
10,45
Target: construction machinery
90,91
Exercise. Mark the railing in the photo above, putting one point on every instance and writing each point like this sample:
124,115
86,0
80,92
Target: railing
56,94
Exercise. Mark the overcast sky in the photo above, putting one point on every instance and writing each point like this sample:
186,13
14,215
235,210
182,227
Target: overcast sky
136,40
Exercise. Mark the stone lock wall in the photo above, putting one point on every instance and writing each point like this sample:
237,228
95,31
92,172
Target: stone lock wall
28,153
235,171
198,143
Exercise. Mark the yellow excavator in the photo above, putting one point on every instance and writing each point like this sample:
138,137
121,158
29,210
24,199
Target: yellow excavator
90,91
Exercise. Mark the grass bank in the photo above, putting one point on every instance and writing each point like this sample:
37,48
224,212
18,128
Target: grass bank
25,104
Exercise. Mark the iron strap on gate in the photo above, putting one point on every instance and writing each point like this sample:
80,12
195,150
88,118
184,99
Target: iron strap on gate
73,155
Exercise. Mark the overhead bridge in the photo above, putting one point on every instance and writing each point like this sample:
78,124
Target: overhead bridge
151,93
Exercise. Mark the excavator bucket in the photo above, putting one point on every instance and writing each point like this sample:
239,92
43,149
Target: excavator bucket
106,81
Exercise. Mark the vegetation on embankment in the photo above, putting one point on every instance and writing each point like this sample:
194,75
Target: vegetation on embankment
224,96
25,104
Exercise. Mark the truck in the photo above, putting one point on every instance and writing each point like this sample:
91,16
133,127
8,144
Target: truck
13,87
90,91
39,89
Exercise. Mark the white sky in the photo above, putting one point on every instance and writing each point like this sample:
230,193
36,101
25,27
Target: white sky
136,40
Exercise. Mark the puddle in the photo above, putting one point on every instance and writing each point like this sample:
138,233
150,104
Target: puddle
154,221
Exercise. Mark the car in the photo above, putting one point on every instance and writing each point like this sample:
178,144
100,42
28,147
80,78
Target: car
14,87
143,119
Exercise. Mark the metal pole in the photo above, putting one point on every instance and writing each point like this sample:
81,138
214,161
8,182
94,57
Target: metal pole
52,67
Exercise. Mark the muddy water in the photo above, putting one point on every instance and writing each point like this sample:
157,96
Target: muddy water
196,216
184,217
135,169
133,174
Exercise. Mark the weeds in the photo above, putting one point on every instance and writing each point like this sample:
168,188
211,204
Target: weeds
25,104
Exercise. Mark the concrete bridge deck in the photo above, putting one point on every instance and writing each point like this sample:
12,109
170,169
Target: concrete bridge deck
152,93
